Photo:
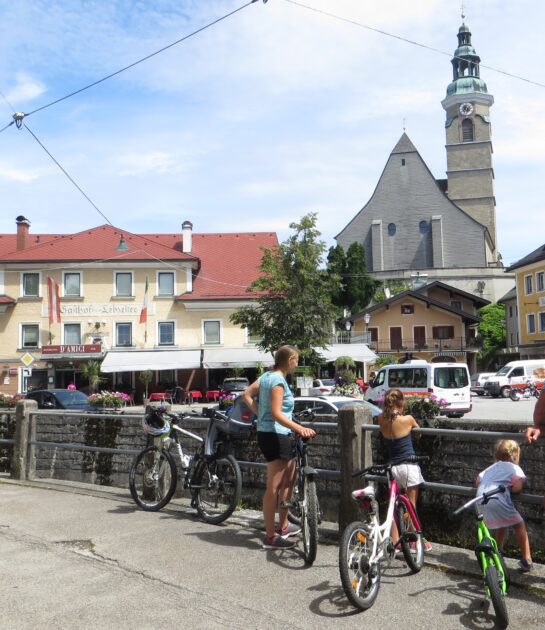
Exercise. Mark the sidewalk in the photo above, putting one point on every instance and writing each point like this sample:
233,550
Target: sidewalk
442,557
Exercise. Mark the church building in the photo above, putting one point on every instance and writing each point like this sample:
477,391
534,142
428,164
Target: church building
418,228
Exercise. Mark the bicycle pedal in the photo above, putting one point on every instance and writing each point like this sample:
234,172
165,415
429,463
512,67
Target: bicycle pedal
287,504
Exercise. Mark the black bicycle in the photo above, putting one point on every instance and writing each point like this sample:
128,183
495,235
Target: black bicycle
304,508
212,474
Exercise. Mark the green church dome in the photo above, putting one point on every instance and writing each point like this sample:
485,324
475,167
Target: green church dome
466,85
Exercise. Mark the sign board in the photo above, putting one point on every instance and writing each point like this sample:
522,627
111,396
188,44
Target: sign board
27,359
72,349
304,382
26,372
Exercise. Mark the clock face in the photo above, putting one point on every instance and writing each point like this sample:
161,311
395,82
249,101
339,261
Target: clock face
466,109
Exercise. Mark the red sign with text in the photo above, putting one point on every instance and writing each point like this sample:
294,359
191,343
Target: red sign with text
73,348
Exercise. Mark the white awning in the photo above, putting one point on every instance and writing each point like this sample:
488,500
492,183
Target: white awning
138,360
358,351
215,358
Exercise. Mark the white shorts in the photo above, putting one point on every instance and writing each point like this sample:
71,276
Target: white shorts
407,475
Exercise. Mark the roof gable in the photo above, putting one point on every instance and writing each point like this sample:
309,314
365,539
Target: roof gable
533,257
478,301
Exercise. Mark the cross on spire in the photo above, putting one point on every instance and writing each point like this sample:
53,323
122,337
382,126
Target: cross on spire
463,11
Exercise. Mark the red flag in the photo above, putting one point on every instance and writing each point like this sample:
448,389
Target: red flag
144,311
53,301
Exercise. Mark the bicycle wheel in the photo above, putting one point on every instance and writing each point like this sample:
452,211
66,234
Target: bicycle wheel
217,485
309,520
360,579
152,478
492,580
412,540
294,511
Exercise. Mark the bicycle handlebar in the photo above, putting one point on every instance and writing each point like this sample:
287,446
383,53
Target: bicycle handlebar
379,469
482,498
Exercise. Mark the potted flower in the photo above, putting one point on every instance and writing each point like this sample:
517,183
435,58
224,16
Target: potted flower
7,400
226,401
424,408
106,399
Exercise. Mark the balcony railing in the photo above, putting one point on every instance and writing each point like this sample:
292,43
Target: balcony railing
458,344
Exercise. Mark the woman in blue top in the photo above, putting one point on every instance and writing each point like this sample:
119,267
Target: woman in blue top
275,430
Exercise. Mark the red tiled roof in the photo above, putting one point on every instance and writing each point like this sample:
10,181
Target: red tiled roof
229,263
8,242
98,243
4,299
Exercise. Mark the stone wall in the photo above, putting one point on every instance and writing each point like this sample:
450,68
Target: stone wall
7,432
455,460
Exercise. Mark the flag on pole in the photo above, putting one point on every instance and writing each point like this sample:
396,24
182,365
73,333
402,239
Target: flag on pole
53,301
144,311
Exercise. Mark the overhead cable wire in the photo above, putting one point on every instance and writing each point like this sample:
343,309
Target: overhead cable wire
135,63
409,41
66,173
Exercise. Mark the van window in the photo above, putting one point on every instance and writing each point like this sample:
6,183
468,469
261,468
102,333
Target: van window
379,380
504,370
518,371
450,377
408,377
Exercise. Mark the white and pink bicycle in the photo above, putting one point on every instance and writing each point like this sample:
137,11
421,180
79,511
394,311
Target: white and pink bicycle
366,543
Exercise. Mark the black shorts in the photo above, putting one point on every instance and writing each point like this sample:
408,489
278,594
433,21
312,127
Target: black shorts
276,446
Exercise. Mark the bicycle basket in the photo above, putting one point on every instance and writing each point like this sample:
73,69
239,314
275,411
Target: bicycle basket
240,420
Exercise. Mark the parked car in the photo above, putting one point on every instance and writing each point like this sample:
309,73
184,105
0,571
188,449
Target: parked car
329,405
60,399
514,376
477,382
234,385
322,386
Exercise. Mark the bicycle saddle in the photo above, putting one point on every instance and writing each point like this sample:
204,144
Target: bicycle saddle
368,491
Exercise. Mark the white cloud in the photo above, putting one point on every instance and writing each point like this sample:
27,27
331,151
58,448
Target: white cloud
25,89
153,162
21,175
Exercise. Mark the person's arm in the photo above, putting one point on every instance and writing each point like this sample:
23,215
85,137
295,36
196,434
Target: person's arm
277,397
532,433
517,485
249,396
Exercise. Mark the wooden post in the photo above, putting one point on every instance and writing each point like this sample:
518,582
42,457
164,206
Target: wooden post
20,449
355,454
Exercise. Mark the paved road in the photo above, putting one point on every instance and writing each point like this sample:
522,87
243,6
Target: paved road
486,408
93,561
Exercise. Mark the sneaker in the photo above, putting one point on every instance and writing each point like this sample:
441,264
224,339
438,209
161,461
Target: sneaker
525,566
277,542
290,530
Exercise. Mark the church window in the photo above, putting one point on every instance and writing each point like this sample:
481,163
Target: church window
423,226
391,229
467,130
402,161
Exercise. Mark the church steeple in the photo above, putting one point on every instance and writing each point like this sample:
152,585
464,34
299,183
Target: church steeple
465,66
469,146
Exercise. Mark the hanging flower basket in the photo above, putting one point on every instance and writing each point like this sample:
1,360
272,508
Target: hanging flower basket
7,400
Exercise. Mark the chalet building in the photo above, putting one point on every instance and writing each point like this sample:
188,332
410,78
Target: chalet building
436,322
133,301
442,229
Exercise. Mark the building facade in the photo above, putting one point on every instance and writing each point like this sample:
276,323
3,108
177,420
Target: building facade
530,303
133,301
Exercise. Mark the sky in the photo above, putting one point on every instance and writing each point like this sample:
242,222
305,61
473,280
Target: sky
272,113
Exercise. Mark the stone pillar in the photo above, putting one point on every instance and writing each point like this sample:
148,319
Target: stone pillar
19,461
355,454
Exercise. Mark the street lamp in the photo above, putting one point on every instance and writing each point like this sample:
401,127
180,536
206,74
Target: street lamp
367,319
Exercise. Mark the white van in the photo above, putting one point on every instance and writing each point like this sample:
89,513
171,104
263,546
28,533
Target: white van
515,374
447,381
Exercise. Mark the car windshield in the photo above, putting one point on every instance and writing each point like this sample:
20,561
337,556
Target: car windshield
239,383
328,382
69,398
504,370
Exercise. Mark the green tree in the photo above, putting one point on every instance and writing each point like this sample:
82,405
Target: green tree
491,331
145,378
294,305
394,287
336,266
91,371
359,285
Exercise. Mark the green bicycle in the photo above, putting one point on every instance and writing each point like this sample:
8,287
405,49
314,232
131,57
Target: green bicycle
490,559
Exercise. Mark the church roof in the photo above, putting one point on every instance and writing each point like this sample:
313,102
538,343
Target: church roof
404,145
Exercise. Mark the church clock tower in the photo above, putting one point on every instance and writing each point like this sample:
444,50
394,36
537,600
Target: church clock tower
469,147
